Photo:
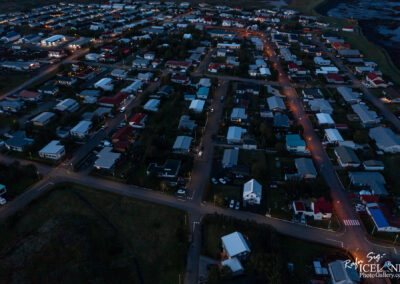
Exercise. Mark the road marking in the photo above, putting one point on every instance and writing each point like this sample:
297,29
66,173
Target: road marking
351,222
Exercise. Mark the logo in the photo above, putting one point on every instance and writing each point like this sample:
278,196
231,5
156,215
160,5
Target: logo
374,266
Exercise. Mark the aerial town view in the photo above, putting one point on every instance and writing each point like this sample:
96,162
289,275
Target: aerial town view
200,142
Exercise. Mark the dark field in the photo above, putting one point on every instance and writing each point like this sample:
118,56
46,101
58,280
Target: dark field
80,235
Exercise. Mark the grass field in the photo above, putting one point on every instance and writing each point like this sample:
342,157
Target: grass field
80,235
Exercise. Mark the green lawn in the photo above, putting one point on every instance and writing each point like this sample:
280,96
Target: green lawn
267,248
76,234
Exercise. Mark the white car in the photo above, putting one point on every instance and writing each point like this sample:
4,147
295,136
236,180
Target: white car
221,180
181,192
214,181
237,207
232,204
2,201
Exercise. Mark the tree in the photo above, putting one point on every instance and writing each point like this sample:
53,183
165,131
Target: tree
280,148
214,275
360,137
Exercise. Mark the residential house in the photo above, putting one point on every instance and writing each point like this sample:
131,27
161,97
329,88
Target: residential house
202,93
138,120
170,169
381,224
320,105
152,105
81,130
346,157
67,105
322,209
230,158
305,168
53,151
373,165
235,245
349,95
105,84
106,159
325,119
114,101
182,144
342,274
42,119
281,121
18,142
238,114
186,123
252,192
123,138
165,91
294,143
368,117
276,103
235,135
30,96
333,136
373,180
11,105
197,105
140,63
385,139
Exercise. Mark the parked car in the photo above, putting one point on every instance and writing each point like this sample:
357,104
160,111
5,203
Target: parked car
214,181
237,207
2,201
221,180
181,192
227,179
232,204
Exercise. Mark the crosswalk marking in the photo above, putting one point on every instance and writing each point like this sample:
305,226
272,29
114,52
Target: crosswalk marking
351,222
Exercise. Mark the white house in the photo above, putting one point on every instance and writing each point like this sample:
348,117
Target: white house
53,40
341,274
197,105
105,84
252,192
235,134
53,151
235,245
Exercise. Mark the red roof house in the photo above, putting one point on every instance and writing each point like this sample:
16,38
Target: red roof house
138,120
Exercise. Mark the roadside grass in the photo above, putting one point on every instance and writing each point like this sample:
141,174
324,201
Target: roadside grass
266,241
332,224
73,233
